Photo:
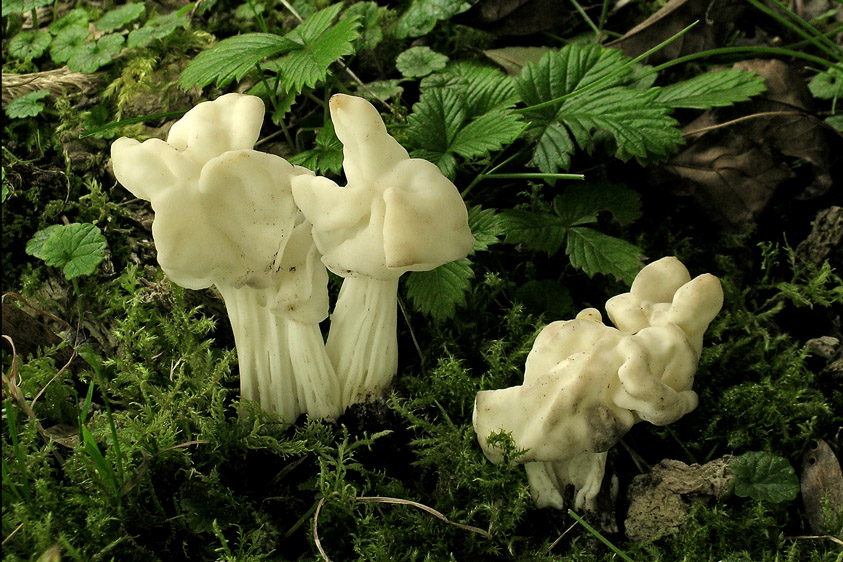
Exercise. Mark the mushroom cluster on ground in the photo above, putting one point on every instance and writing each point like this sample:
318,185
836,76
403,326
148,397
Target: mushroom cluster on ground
264,231
586,384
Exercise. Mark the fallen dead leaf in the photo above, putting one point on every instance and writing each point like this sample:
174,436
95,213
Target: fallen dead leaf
716,22
738,157
822,489
515,17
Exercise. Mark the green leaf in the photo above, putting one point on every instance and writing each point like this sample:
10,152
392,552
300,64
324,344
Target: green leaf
595,252
384,89
319,45
78,248
482,88
77,17
438,292
156,28
27,105
66,42
422,16
420,61
233,58
485,226
764,476
581,202
326,157
713,89
487,133
29,44
120,17
439,128
539,232
19,7
371,28
88,57
639,127
828,85
835,121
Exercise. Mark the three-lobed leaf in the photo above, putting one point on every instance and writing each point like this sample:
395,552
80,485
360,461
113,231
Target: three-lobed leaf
582,90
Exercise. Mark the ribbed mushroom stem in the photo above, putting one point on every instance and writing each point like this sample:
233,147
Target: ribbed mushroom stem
266,369
363,340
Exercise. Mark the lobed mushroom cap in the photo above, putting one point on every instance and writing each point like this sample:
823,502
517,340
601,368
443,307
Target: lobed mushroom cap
396,213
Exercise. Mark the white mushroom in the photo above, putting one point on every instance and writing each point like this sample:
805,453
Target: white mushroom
395,214
224,215
586,384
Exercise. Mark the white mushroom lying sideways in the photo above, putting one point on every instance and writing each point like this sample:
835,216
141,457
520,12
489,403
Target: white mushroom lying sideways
586,384
225,216
395,214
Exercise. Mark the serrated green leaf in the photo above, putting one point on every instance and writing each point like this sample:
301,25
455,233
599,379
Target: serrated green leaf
156,28
639,127
764,476
89,57
540,232
829,84
580,203
233,58
485,226
326,157
835,121
440,291
713,89
120,17
487,133
320,45
66,42
439,128
371,28
423,15
77,17
482,88
77,248
29,44
595,252
433,125
513,59
420,61
27,105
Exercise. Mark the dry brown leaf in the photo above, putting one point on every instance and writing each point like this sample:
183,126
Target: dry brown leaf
737,157
516,17
822,488
716,22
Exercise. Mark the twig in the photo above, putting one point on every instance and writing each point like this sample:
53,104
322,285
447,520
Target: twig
315,519
410,326
430,510
817,537
394,501
11,386
12,534
554,543
740,119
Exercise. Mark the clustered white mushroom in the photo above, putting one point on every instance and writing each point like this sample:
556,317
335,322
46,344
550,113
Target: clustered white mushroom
586,384
225,215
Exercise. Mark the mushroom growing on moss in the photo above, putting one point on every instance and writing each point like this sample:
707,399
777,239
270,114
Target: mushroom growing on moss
395,214
225,216
586,384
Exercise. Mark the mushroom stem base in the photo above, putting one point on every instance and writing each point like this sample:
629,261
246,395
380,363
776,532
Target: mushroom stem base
283,363
363,341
